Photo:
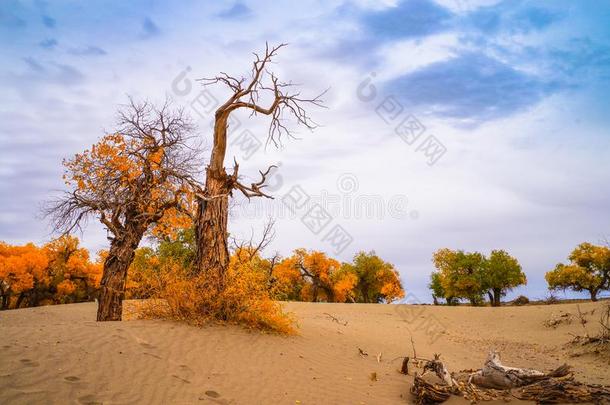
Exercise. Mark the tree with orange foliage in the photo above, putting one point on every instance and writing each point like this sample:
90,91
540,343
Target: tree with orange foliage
73,277
378,281
287,281
310,271
344,285
313,276
21,267
130,180
59,272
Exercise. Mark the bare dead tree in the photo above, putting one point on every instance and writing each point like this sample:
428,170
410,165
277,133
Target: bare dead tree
129,181
253,247
212,213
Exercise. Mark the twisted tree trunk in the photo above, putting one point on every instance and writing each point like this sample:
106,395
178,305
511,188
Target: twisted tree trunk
116,265
19,300
213,210
211,229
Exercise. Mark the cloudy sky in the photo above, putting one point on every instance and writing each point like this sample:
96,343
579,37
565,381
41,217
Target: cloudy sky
469,124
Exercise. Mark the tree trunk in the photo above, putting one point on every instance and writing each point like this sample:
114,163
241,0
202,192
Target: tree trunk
211,229
365,294
212,213
19,300
497,294
314,293
112,286
330,294
491,297
593,293
34,295
5,300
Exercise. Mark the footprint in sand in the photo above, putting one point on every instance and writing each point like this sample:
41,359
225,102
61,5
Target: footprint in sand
184,369
147,345
153,355
89,400
215,397
29,363
119,337
72,378
184,380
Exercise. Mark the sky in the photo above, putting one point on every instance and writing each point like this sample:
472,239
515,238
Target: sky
467,124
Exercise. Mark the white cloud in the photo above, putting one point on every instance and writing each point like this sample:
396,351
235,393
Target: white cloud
531,183
403,57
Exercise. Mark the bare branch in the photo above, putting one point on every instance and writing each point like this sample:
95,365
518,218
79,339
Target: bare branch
246,94
255,189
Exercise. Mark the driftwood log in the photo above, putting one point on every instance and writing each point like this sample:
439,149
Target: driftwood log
498,376
438,368
496,381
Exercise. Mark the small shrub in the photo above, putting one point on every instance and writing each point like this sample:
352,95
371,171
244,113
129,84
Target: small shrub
196,299
521,300
551,299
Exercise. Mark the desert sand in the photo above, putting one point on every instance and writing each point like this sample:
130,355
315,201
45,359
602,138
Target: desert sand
59,354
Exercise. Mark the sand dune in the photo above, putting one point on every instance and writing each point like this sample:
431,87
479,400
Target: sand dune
59,354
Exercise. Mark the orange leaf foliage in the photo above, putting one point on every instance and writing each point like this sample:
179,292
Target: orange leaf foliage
58,272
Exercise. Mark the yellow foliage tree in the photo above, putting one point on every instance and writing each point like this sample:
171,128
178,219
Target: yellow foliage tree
21,268
135,178
306,275
313,276
59,272
73,276
588,270
378,280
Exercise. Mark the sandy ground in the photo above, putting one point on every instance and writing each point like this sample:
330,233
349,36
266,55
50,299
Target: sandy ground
59,354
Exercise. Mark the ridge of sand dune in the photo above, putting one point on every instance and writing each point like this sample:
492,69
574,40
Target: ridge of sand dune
58,354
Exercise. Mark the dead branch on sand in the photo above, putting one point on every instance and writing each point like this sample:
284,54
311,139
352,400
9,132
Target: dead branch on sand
404,368
603,336
335,319
496,381
417,361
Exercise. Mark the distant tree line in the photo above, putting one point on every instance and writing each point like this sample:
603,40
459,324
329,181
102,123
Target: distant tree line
472,276
306,275
61,272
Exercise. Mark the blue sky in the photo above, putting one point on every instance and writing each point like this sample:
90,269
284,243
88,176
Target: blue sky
516,92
